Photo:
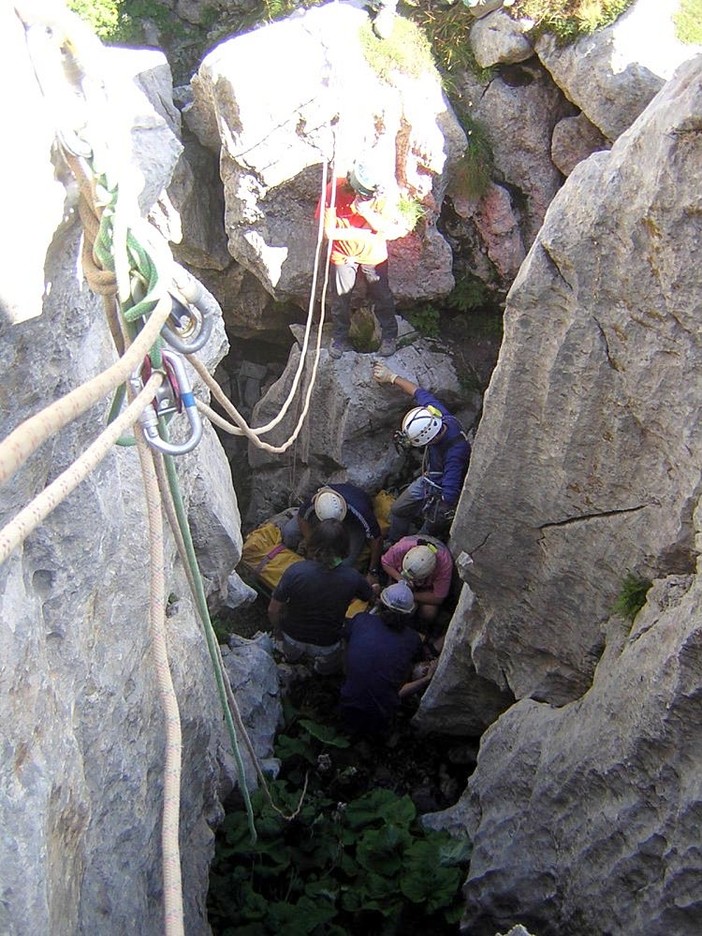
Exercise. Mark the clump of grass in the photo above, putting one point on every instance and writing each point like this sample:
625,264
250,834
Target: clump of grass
411,210
632,596
569,19
472,175
447,29
688,22
407,50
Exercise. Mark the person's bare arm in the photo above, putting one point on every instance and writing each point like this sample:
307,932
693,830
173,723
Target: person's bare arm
419,684
276,613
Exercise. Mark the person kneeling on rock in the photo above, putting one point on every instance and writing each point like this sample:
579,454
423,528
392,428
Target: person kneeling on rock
308,605
380,651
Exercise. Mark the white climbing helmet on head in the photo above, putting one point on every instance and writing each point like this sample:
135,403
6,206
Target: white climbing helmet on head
421,425
364,176
329,504
419,562
398,597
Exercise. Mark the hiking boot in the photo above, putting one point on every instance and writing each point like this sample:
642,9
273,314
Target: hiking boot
388,346
337,347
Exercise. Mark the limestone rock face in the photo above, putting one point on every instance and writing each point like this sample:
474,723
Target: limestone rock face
574,139
518,109
587,818
613,74
458,701
82,740
499,39
277,102
584,466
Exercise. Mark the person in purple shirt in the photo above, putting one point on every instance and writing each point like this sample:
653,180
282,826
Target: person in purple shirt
433,496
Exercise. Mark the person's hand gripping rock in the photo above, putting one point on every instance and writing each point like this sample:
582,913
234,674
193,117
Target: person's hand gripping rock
382,373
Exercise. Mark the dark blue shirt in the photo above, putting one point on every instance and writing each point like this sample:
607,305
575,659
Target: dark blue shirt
446,460
316,600
360,509
378,662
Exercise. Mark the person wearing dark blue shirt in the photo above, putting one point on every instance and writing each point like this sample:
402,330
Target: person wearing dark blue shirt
434,495
309,603
380,651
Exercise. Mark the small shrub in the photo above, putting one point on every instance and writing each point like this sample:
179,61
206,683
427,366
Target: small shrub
364,331
632,596
688,22
121,21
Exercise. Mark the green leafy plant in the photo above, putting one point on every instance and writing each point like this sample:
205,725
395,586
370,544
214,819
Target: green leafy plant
569,19
333,866
688,22
632,596
426,319
122,21
468,294
407,50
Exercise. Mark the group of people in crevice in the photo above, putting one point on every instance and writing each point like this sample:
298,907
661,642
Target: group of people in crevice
390,649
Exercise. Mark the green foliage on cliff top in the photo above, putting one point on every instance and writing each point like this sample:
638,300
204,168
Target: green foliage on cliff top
569,19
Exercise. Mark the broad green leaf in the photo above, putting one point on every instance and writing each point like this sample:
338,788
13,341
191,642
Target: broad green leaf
380,806
325,734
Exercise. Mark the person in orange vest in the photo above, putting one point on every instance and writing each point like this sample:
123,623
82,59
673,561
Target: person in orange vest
359,224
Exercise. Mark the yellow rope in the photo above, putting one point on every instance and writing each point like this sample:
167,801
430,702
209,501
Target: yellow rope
29,518
172,881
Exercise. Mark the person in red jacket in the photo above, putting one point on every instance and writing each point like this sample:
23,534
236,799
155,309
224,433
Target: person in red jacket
359,224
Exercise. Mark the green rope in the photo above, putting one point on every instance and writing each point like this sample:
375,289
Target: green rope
210,636
144,279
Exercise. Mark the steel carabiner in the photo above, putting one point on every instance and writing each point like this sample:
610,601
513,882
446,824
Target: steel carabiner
189,325
174,396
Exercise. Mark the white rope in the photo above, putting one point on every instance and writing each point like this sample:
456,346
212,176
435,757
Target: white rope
16,448
29,518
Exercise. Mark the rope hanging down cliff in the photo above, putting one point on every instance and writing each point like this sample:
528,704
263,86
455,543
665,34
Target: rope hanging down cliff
129,277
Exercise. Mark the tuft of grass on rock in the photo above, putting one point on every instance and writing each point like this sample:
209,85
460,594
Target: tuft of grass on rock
569,19
632,596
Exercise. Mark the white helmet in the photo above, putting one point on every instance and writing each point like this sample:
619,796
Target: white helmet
421,425
329,505
398,597
364,176
419,562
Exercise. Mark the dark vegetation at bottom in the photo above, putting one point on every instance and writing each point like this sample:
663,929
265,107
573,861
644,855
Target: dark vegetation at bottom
354,859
